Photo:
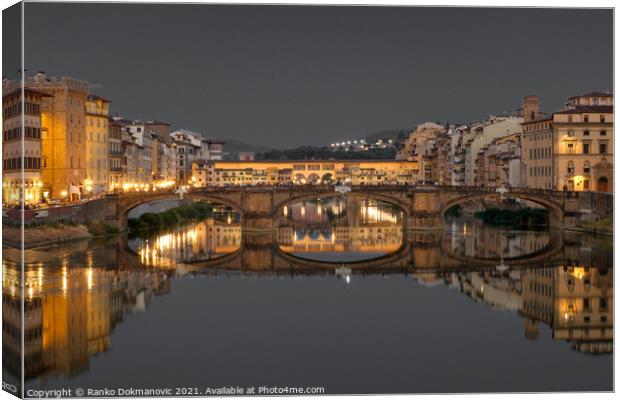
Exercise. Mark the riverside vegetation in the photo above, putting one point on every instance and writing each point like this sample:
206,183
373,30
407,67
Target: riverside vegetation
155,221
531,218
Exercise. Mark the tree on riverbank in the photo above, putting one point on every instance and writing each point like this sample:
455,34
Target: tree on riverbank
148,221
517,218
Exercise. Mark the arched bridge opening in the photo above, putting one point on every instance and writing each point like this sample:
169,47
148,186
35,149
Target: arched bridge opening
127,203
556,212
402,206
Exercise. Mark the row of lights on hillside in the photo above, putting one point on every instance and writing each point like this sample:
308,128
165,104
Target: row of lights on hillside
362,142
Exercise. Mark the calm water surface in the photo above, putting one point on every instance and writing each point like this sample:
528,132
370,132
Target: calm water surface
340,297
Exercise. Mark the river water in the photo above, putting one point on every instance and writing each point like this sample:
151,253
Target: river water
340,297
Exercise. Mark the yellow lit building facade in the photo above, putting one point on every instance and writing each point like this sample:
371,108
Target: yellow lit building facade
239,173
537,145
583,144
576,301
97,145
63,135
12,156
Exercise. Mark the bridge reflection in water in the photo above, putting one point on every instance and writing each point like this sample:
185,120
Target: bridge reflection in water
77,294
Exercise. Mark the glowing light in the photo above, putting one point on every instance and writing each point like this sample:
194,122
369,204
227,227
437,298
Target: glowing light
579,272
89,278
64,278
63,193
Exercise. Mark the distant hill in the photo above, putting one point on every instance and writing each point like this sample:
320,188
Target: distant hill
233,147
396,135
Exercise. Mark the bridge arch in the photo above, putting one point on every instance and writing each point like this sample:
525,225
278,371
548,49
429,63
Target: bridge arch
556,213
403,206
128,203
541,257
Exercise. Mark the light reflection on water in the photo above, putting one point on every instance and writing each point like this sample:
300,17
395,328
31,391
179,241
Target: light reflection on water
198,241
76,295
340,230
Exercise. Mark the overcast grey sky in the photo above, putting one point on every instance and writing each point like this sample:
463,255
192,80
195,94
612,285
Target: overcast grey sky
288,75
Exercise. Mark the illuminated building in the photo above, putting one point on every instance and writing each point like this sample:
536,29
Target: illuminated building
143,138
63,135
12,131
130,157
356,172
162,165
97,145
137,148
192,147
115,152
421,147
583,142
573,148
499,162
538,153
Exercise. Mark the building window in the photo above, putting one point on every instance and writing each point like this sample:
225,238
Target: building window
586,167
571,168
586,118
602,148
570,148
602,119
603,133
571,133
586,148
586,133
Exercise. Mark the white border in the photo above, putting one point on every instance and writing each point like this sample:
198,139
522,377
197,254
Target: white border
443,3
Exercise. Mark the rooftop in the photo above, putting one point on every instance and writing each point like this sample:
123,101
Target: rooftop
587,109
593,94
310,161
95,97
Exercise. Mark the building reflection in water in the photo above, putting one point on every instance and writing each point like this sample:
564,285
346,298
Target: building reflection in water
471,238
349,225
199,241
70,313
78,293
576,302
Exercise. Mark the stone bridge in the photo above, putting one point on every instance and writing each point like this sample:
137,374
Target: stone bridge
423,206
